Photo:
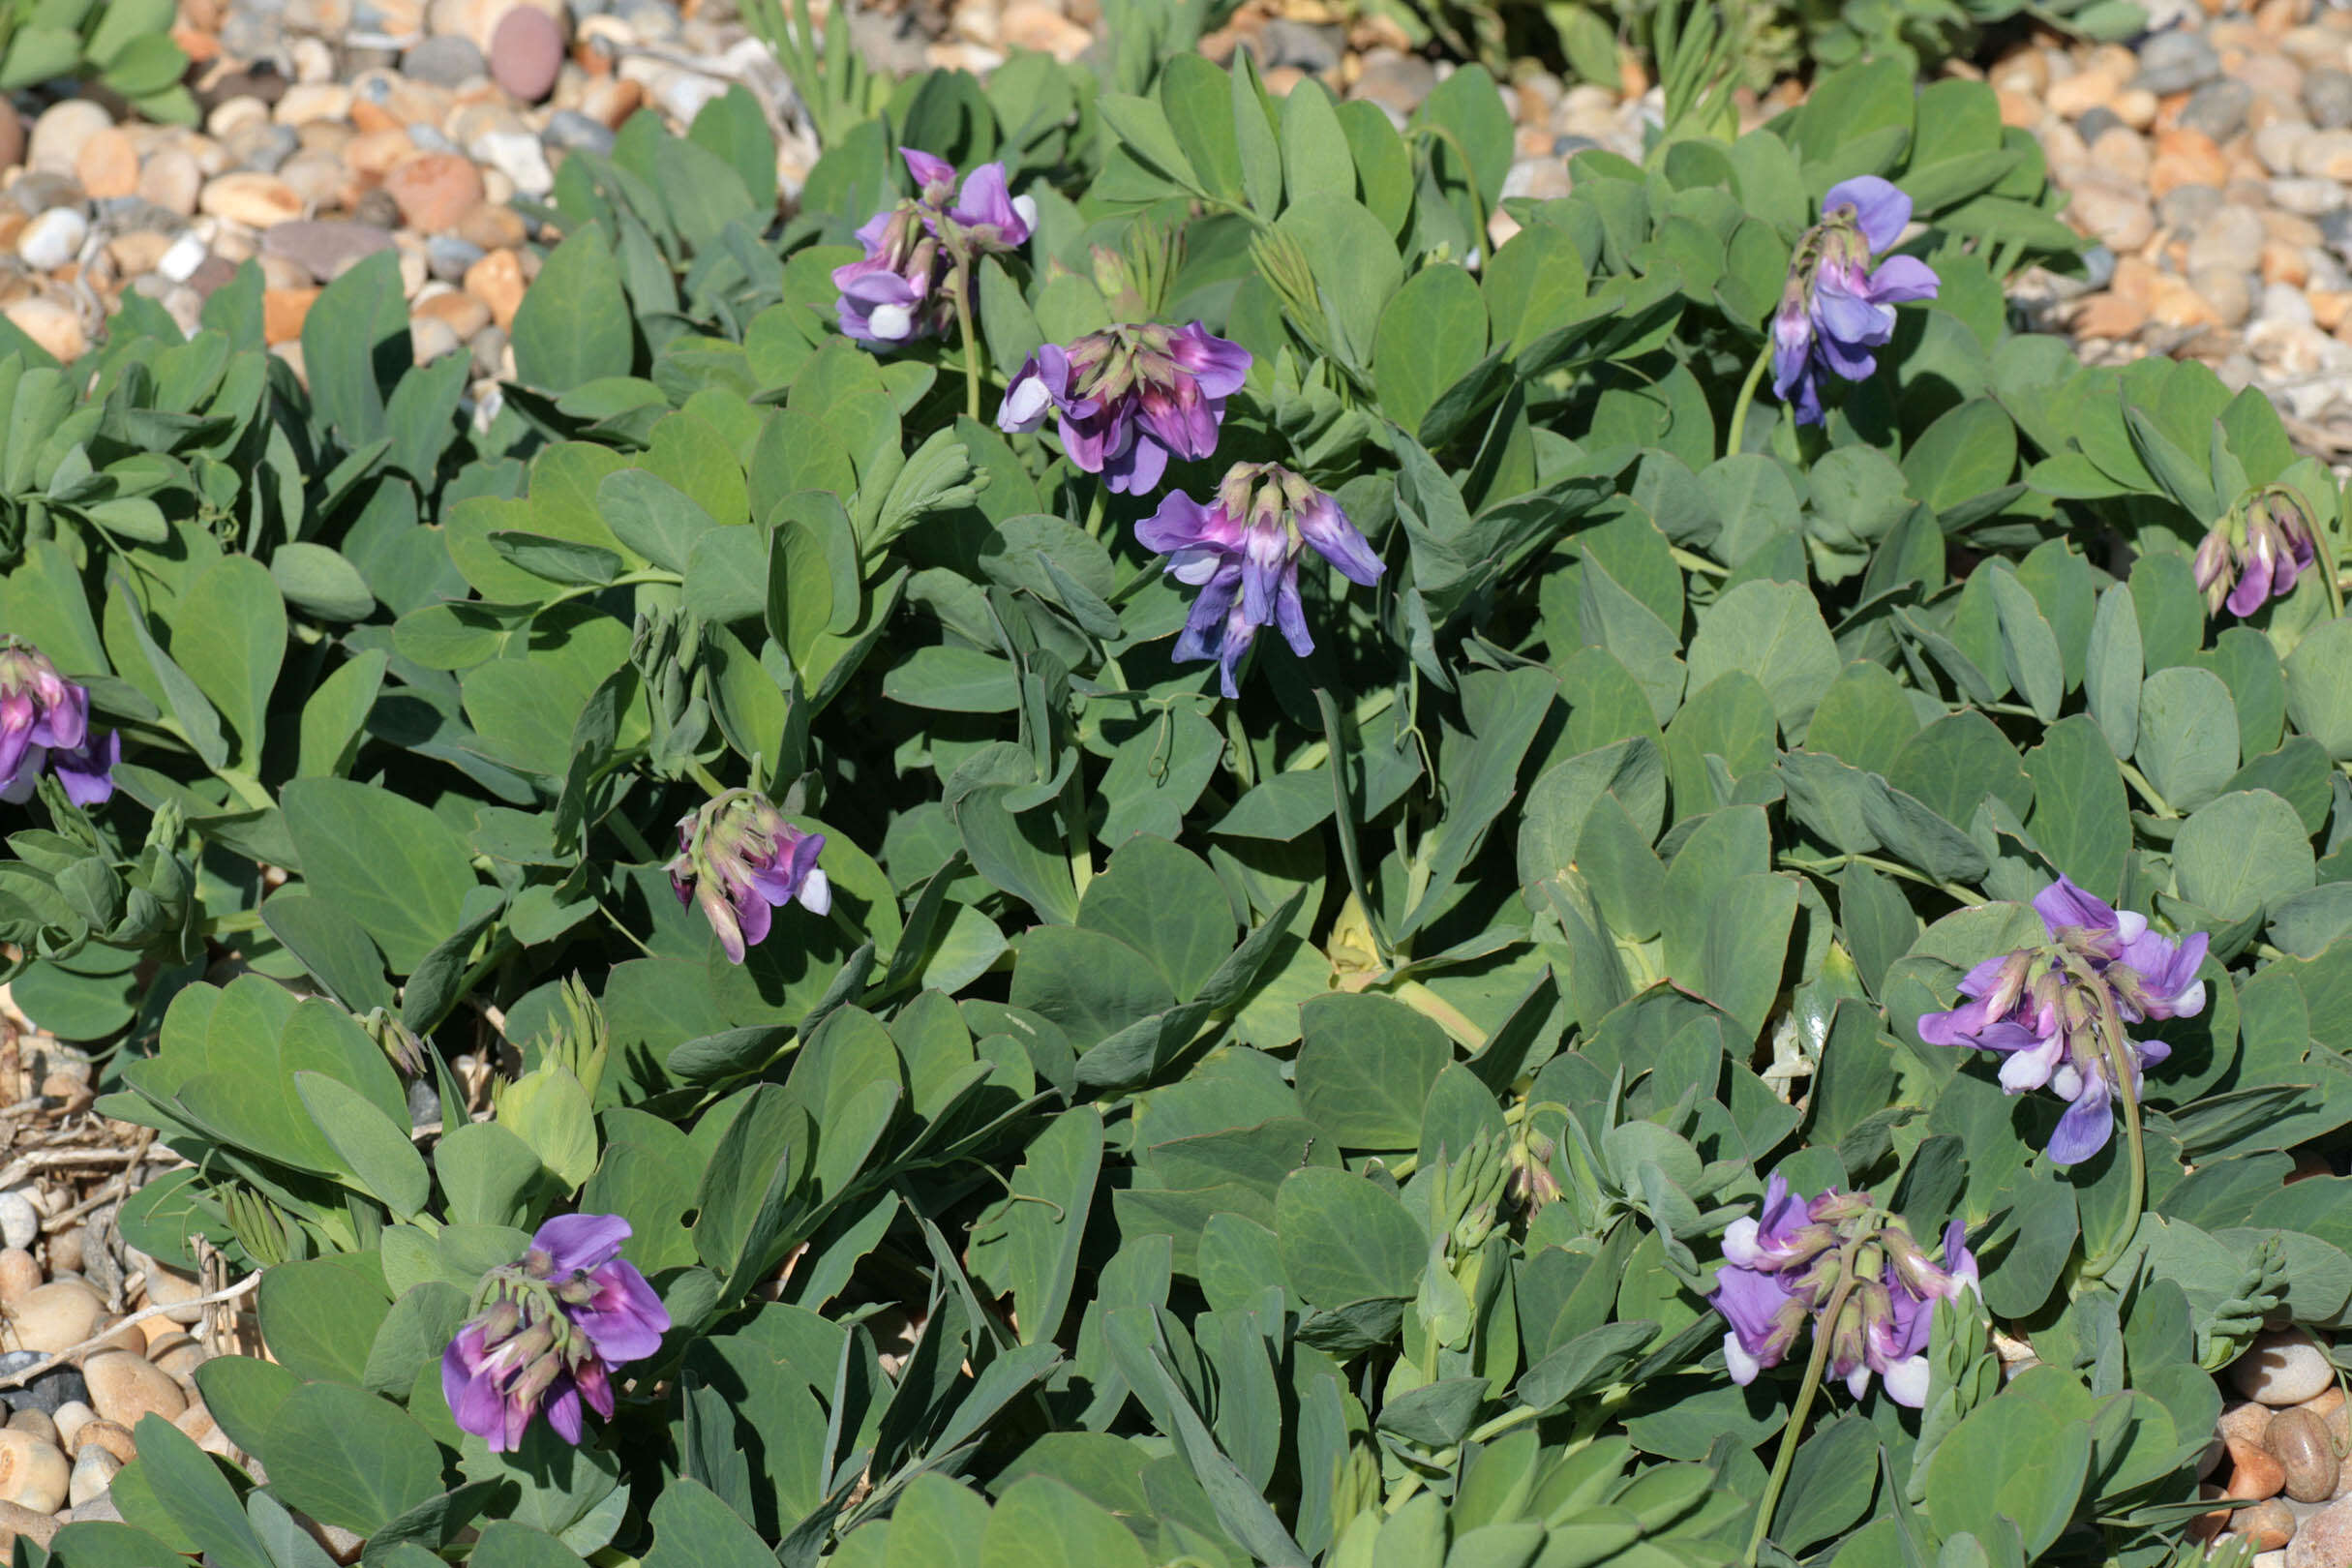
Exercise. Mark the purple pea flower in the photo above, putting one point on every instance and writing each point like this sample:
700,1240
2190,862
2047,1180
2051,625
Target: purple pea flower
1782,1266
2050,1012
2256,553
739,859
1243,554
1837,308
545,1334
45,721
1130,398
903,288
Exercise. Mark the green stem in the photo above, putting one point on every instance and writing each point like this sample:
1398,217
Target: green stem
1739,415
1441,1013
972,346
1692,562
1244,767
1503,1423
1964,896
707,779
2117,1050
634,842
2147,791
1824,1329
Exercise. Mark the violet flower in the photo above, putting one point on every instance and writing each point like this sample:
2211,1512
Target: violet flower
2054,1011
737,858
903,288
544,1335
1130,398
1836,309
1782,1266
2256,553
1243,554
45,721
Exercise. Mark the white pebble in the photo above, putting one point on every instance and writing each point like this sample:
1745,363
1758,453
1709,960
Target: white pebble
180,261
19,1221
2285,1367
93,1475
518,154
52,239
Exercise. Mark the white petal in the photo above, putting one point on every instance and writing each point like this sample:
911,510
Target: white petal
1024,405
816,895
2129,926
891,323
1858,1381
1743,1367
1906,1381
1027,207
1739,1243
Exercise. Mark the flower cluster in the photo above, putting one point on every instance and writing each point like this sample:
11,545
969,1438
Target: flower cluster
1243,554
1837,308
1786,1265
737,858
544,1335
44,721
1130,398
2256,553
917,252
2057,1011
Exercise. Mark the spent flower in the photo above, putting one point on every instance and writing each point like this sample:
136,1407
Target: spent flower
1130,398
1782,1269
2256,553
1836,307
1242,551
902,289
45,721
2057,1011
739,859
544,1335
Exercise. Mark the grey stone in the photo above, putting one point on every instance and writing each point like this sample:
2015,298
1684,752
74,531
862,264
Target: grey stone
429,139
37,191
2177,61
45,1393
2098,267
489,349
324,248
574,131
2307,198
447,257
1570,146
2097,119
377,208
262,148
656,21
1396,82
2186,206
2326,92
2335,228
2217,109
445,60
1313,50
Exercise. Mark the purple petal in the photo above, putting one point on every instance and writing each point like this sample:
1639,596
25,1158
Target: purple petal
1880,208
1219,366
1183,522
563,1413
581,1243
1323,525
88,772
1140,469
2063,904
986,202
927,170
625,1319
2253,587
1904,278
1239,635
1205,624
1750,1302
1290,612
2085,1127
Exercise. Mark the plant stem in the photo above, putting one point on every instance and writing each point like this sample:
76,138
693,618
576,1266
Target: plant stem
1739,411
1825,1327
2118,1051
1952,890
972,346
634,842
705,778
2147,791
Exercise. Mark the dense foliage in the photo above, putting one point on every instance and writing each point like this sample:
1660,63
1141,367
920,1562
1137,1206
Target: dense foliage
1162,1125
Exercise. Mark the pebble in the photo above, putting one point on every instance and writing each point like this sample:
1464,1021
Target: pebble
2299,1440
2219,108
93,1475
572,131
180,261
519,156
2254,1472
171,178
49,241
2119,220
2177,61
323,250
256,201
63,1313
47,1392
19,1274
33,1524
525,52
445,60
19,1221
2270,1525
11,136
2283,1366
448,256
70,1418
2324,1540
60,132
2326,92
125,1386
35,1422
108,166
435,189
33,1473
111,1436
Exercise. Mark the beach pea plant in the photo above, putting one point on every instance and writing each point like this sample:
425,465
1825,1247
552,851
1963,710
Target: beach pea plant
1148,834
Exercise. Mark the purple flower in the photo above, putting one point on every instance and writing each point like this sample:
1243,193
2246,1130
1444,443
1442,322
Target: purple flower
545,1334
902,289
1130,398
2052,1011
1782,1266
2256,553
1243,554
739,859
44,721
1836,309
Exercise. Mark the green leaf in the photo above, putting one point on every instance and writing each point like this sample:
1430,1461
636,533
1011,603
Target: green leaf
652,517
1343,1240
334,720
2319,686
2189,735
388,862
693,1527
349,1458
2080,818
2029,648
331,944
378,1151
1364,1069
355,340
1166,904
1430,336
195,1495
1040,1522
1029,1240
1774,632
2242,853
2114,670
575,326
